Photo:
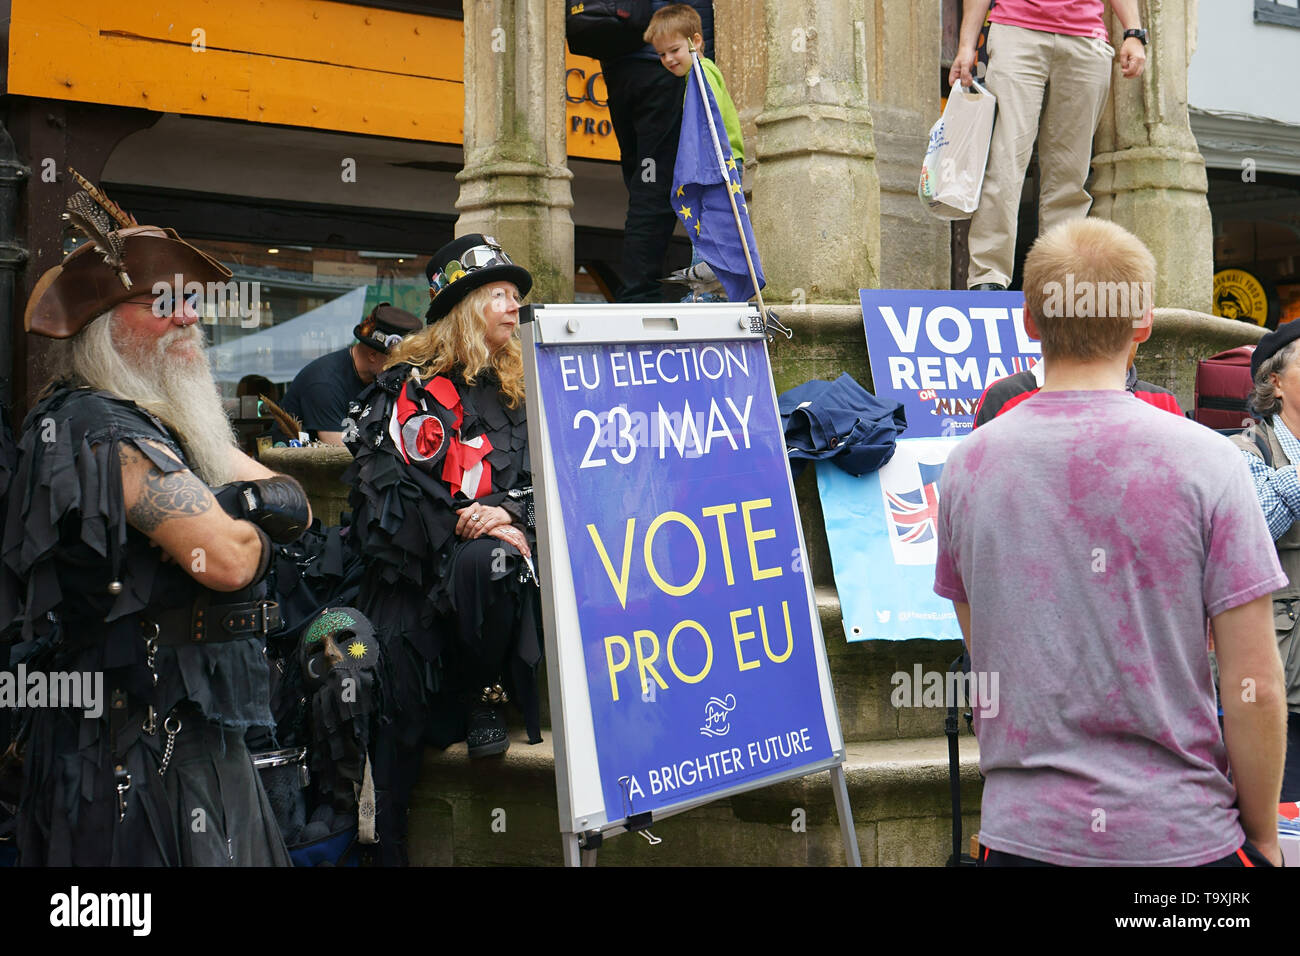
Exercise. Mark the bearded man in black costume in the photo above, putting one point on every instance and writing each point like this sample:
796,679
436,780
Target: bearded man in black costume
134,546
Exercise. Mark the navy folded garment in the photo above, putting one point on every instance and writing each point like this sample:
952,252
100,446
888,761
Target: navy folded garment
840,421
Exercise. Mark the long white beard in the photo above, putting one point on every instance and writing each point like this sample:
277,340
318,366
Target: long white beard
172,383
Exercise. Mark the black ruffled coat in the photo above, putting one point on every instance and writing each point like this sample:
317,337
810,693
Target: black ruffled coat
404,520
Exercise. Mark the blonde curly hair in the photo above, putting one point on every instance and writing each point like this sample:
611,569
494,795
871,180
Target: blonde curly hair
458,340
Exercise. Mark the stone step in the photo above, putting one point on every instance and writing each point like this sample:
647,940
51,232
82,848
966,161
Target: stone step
501,811
862,675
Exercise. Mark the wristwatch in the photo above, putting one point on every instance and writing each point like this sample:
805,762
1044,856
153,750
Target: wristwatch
1140,33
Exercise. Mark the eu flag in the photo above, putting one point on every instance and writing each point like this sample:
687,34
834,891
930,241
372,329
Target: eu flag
700,196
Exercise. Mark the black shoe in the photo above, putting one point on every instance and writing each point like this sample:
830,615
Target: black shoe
487,728
988,287
487,732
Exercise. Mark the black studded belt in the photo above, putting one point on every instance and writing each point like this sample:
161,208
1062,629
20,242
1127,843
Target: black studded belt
204,623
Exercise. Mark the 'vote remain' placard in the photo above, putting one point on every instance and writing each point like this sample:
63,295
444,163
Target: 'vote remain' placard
937,351
704,667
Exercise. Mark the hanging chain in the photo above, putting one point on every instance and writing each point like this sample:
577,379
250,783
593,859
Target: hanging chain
151,650
123,786
171,742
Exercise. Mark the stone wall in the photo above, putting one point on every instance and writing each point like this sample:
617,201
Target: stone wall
320,469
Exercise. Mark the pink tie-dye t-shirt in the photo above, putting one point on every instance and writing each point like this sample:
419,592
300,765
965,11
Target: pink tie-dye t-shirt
1091,534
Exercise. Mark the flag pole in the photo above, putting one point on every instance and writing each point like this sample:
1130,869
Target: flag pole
722,168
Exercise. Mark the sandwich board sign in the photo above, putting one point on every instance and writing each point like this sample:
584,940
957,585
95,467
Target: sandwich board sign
684,653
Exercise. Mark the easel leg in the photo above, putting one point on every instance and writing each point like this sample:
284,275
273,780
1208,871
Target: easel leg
589,857
571,850
841,789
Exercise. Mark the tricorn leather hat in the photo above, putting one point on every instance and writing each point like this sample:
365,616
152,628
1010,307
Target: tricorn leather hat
85,286
123,260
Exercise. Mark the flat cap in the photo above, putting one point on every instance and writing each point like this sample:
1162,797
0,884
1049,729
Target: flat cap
1273,343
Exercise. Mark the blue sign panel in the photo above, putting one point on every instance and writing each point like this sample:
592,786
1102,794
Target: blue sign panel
882,531
936,352
692,601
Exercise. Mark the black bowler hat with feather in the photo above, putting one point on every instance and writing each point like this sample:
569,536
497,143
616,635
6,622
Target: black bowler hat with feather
466,264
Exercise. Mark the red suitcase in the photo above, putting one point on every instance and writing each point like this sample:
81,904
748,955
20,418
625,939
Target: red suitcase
1223,383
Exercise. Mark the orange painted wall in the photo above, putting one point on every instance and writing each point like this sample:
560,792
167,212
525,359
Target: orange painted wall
312,63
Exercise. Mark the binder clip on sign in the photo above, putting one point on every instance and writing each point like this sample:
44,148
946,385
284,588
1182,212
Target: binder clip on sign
952,173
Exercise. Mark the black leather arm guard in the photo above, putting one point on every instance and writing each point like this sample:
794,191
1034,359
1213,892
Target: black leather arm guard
276,505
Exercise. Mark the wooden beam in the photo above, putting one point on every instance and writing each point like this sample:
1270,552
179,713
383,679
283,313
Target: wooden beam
308,63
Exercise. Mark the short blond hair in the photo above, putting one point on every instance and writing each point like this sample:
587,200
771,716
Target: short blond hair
676,19
1086,283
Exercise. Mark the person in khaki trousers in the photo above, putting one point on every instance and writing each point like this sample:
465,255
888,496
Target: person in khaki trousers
1049,65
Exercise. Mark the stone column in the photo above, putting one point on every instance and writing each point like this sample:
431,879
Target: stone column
515,184
903,55
1149,175
816,198
743,62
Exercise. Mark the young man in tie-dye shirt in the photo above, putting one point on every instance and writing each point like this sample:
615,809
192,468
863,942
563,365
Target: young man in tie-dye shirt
1084,538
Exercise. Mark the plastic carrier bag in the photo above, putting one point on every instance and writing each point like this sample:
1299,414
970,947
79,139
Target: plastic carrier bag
952,173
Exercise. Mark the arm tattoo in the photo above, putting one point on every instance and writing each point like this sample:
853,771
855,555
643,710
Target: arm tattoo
176,495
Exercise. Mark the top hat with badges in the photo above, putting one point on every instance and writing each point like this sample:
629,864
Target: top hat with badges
466,264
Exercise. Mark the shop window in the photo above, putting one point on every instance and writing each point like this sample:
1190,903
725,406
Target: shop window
291,304
1256,247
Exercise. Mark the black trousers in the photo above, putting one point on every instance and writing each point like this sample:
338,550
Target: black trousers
645,106
396,769
494,634
1246,856
1291,771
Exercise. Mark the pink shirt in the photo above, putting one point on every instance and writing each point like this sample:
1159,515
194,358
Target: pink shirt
1078,18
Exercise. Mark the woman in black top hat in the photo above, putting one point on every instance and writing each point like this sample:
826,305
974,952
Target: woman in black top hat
441,489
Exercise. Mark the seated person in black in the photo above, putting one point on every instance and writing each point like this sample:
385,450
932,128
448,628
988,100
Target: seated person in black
319,395
440,489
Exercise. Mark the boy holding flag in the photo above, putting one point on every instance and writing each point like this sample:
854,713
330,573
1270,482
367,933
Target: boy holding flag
706,178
